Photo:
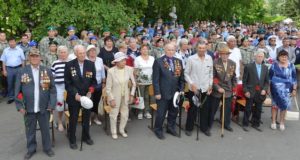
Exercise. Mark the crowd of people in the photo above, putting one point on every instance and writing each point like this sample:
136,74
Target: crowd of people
205,63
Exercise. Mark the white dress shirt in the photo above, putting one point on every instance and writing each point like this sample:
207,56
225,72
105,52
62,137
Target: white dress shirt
199,72
236,57
35,73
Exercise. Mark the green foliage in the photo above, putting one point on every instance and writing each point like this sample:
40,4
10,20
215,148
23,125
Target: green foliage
93,15
18,15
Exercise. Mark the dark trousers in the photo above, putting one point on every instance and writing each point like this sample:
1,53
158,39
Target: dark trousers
74,111
215,102
3,81
11,79
163,107
31,120
192,113
96,99
256,112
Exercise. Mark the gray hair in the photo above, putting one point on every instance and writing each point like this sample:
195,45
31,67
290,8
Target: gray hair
62,48
78,46
170,45
132,39
259,51
183,41
230,38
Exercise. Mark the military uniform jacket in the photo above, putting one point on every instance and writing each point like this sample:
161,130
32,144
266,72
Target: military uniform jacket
25,85
77,83
224,79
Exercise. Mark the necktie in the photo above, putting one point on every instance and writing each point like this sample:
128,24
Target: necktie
171,64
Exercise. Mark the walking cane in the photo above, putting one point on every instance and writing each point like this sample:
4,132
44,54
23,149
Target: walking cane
198,114
223,109
82,131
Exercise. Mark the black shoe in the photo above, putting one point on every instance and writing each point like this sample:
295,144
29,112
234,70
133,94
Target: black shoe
160,136
257,128
28,155
50,153
10,101
245,128
73,146
229,129
173,133
207,133
188,133
89,142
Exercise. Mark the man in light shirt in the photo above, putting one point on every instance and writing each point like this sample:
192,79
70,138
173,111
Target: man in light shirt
12,60
199,75
36,84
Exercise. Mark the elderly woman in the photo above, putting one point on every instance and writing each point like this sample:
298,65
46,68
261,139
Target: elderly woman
120,89
283,85
132,52
143,66
100,76
58,70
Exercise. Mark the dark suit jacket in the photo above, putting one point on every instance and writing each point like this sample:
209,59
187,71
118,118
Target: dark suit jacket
47,98
75,83
226,80
251,80
164,81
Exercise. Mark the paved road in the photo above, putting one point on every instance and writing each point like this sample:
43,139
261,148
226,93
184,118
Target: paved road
143,145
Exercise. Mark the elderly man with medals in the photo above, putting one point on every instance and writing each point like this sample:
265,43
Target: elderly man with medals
168,78
35,97
224,85
80,80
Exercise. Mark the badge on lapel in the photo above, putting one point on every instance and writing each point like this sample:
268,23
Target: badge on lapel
88,74
25,78
45,80
73,71
166,64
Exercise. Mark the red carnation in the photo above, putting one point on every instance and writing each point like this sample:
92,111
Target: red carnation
270,61
20,96
136,101
216,81
257,88
91,89
234,89
59,104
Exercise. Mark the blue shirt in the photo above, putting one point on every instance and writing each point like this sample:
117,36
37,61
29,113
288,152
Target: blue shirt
258,69
13,57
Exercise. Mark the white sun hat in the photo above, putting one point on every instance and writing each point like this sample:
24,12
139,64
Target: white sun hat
119,56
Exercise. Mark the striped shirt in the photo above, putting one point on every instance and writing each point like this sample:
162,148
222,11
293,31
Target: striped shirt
58,70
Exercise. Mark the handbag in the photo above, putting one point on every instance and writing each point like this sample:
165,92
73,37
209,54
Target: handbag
293,115
102,102
138,101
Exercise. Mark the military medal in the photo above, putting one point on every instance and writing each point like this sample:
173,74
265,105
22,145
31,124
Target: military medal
45,80
166,64
89,74
25,78
177,69
73,71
